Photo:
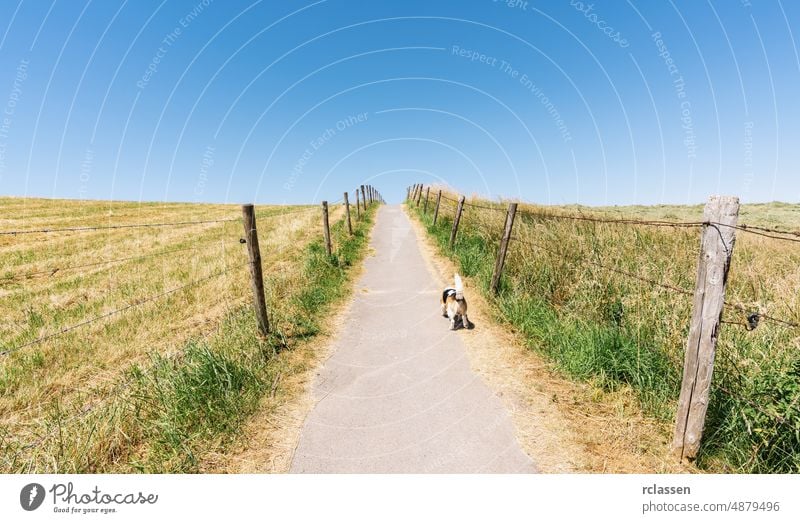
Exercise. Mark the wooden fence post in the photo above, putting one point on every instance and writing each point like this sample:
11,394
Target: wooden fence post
256,276
326,230
364,198
347,211
436,212
419,195
456,219
501,254
427,193
358,209
716,247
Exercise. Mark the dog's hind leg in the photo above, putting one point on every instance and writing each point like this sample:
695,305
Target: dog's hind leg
452,315
465,321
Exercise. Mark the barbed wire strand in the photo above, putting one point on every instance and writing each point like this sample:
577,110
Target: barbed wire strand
752,229
53,270
117,311
686,292
264,214
761,316
107,227
617,221
141,225
606,267
486,207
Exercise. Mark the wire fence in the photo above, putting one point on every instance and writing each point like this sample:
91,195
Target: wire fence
195,247
270,219
712,269
768,232
772,233
754,317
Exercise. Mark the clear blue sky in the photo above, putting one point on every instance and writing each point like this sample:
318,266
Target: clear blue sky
604,102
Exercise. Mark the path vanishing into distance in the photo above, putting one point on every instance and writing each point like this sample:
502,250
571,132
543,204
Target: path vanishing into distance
397,393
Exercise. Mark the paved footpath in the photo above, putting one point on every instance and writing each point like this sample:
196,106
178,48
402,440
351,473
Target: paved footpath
397,394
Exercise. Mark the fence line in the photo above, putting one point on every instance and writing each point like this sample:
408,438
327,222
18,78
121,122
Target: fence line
685,292
149,225
751,229
718,229
142,301
123,385
52,271
126,382
745,227
760,231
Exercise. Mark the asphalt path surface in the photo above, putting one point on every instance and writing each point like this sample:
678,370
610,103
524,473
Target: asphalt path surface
397,394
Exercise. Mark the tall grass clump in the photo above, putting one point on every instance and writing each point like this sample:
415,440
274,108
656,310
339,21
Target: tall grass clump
602,326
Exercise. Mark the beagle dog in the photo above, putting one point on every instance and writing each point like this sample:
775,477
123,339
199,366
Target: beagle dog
454,305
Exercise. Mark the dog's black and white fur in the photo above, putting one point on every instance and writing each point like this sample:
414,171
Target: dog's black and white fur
454,305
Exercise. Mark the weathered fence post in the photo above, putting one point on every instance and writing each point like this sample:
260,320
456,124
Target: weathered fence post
326,230
256,276
364,198
358,209
716,247
427,193
456,219
419,195
501,254
347,211
436,212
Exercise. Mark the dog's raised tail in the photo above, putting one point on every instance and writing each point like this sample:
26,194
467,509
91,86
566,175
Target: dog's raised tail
459,287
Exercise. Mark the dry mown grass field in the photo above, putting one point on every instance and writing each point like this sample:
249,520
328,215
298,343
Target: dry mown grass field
568,291
152,386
